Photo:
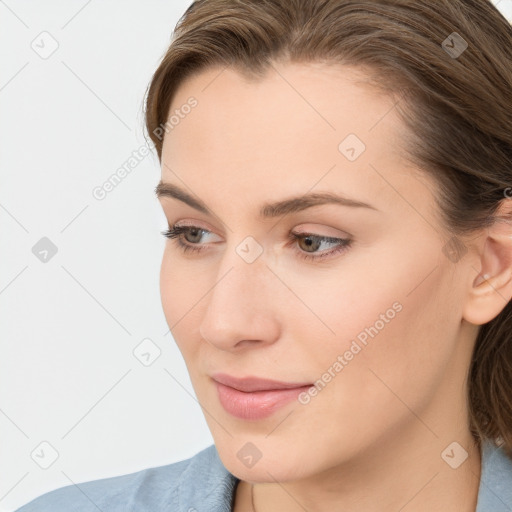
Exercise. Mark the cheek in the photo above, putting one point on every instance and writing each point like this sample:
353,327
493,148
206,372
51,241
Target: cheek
389,305
179,291
169,288
182,284
396,346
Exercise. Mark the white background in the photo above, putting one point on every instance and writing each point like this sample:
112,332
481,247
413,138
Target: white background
68,375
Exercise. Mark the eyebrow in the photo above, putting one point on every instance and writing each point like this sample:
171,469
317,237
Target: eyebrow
268,210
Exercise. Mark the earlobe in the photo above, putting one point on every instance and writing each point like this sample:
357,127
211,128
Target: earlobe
491,289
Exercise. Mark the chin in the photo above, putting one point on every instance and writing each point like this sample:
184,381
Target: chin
259,462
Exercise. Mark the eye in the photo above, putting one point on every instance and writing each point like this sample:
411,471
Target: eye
176,232
310,241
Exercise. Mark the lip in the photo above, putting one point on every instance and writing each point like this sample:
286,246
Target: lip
249,384
262,399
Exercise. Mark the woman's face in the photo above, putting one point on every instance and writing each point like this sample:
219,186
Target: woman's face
376,320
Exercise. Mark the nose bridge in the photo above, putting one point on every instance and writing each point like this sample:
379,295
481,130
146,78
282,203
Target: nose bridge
240,304
243,276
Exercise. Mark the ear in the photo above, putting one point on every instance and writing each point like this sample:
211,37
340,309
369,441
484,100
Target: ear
491,289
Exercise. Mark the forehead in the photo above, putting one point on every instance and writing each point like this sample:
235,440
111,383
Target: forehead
299,127
289,100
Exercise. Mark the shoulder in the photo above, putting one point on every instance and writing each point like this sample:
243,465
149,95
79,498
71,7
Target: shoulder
495,492
195,484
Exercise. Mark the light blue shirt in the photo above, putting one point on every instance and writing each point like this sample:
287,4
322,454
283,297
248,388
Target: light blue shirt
202,484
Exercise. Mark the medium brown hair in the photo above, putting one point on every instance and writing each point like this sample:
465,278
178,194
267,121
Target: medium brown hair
458,110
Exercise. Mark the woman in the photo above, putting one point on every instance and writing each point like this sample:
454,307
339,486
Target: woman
336,178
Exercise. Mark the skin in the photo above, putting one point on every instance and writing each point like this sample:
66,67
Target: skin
372,439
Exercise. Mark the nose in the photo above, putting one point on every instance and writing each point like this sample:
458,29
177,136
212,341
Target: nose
242,308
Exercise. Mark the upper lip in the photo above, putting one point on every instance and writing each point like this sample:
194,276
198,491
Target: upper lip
251,383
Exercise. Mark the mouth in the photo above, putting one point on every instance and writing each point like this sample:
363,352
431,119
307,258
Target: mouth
250,383
254,398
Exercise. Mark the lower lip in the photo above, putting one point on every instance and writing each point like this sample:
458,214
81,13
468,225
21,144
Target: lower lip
257,404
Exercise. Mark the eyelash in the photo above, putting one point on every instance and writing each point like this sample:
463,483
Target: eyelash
175,233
